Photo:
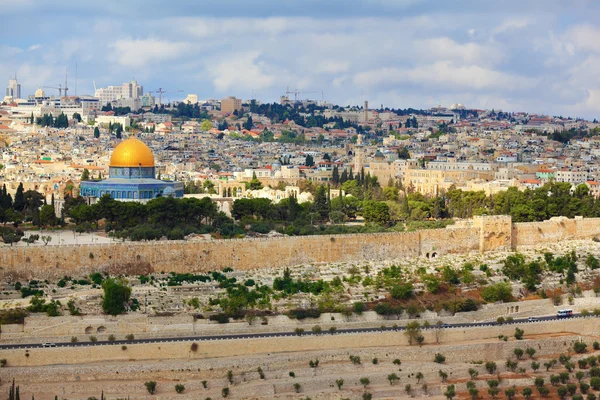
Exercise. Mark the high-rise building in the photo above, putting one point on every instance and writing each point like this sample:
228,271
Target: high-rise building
128,90
14,89
230,104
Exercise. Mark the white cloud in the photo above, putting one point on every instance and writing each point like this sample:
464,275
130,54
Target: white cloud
332,67
583,38
141,52
444,48
240,72
512,24
444,75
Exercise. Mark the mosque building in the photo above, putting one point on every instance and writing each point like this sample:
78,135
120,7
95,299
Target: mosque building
131,176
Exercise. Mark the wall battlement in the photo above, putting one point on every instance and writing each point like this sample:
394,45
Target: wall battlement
485,233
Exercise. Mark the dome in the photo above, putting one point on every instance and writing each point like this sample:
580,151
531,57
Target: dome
132,153
39,93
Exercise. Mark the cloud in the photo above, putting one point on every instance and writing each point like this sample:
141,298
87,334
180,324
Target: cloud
445,75
332,67
582,38
240,72
142,52
512,24
444,48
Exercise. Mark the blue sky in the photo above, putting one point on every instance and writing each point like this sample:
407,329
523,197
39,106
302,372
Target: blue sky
529,55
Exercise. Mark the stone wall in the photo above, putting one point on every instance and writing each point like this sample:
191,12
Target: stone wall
485,233
554,230
51,262
238,348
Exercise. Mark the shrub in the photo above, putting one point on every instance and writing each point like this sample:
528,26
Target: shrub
299,331
150,386
397,361
579,347
393,378
194,347
316,329
375,360
530,352
130,336
490,367
93,338
179,388
595,383
116,295
225,392
123,347
596,346
292,374
355,360
365,382
111,338
439,358
332,329
230,376
74,339
519,333
339,383
518,353
297,387
3,363
358,307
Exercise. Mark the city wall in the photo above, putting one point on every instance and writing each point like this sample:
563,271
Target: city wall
486,233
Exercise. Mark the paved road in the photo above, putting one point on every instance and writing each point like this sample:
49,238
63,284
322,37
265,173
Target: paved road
275,334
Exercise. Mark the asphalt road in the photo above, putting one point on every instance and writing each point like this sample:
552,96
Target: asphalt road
275,334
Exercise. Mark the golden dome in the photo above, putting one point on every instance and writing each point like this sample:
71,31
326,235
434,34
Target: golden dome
132,153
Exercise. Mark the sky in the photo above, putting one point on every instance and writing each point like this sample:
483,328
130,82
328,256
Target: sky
538,56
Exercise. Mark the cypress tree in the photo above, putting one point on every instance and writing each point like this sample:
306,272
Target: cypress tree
19,203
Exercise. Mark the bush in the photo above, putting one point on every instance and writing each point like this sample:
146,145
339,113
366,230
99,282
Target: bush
359,307
439,358
221,318
179,388
519,333
579,347
123,347
130,336
116,296
3,363
497,292
73,339
397,361
150,386
93,338
111,338
596,346
375,361
225,392
194,347
316,329
595,383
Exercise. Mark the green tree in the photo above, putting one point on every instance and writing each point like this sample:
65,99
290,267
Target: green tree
19,203
310,161
116,296
47,215
150,386
206,125
85,175
376,211
96,132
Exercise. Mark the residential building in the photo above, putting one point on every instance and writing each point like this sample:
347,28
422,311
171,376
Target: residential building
231,104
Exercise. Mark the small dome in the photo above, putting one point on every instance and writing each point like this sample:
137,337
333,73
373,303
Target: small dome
40,93
132,153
